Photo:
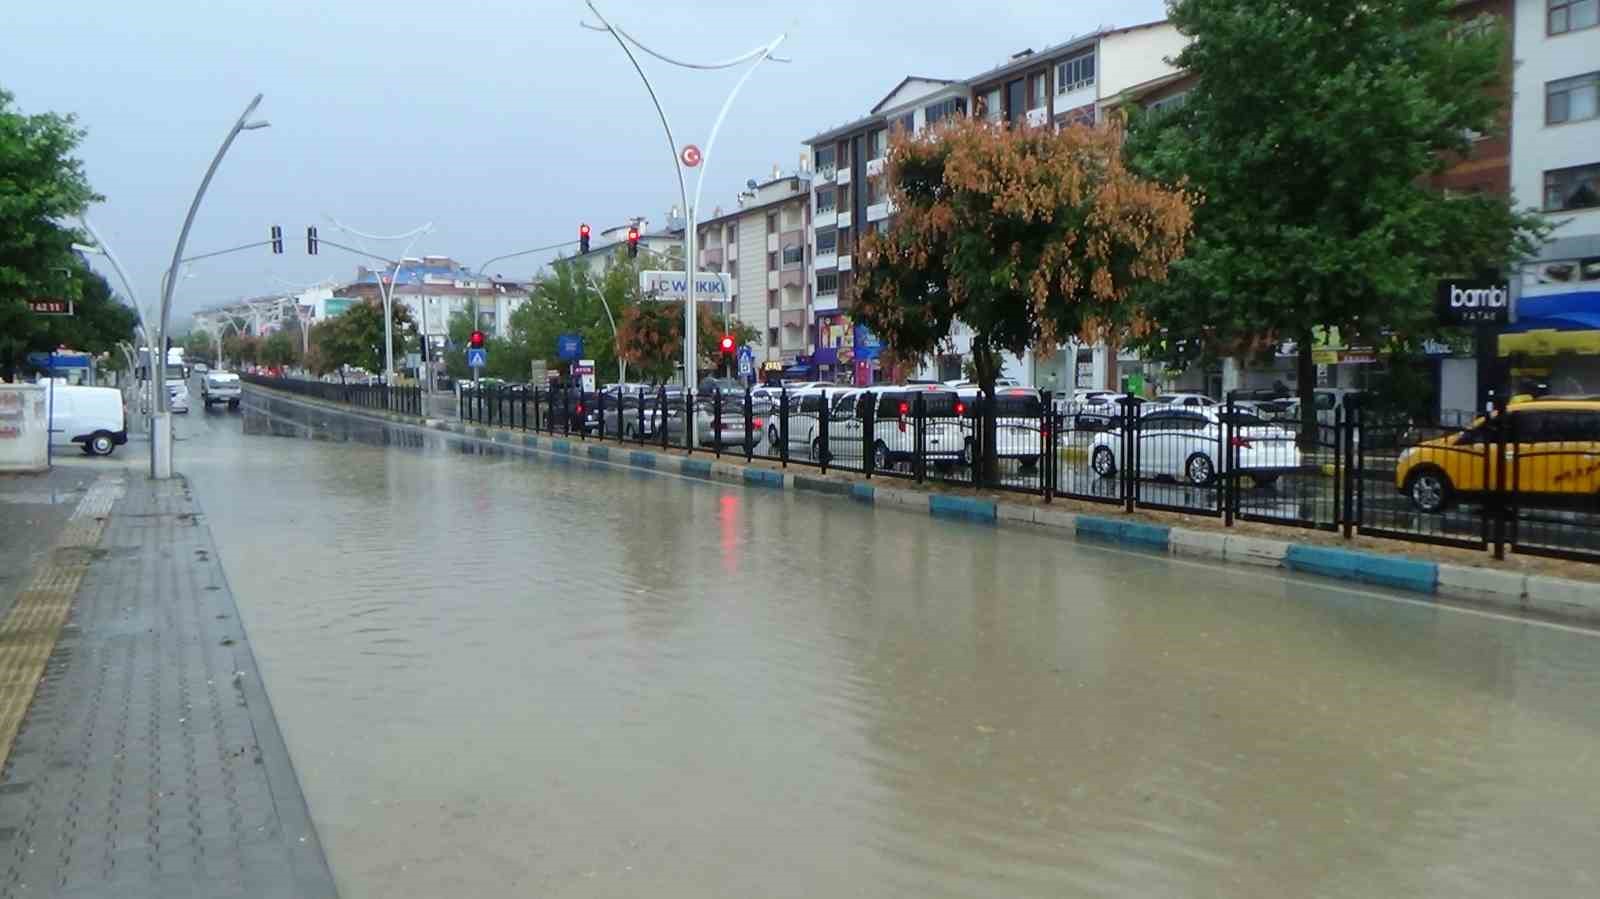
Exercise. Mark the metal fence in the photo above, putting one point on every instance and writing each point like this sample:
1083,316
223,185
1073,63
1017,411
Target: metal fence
407,400
1525,478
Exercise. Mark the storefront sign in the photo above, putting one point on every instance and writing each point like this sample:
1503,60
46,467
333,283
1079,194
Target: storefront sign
1473,302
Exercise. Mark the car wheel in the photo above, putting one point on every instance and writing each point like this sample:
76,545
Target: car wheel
1430,490
772,435
1200,469
1104,462
880,457
817,452
100,444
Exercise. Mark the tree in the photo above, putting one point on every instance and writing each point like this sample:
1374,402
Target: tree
41,184
1028,237
242,348
279,349
1311,132
650,337
99,321
198,346
355,337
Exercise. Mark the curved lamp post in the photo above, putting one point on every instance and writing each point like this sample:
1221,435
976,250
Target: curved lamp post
161,421
754,58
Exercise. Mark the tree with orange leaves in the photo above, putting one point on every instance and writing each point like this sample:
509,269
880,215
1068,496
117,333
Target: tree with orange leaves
1028,237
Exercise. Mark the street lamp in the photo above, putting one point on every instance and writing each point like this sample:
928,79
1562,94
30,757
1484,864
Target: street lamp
386,294
161,421
755,58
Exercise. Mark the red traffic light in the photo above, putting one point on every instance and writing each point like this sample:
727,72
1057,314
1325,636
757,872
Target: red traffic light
633,235
727,343
583,230
476,340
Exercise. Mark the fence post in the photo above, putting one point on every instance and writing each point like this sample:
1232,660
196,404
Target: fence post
824,422
919,445
1228,452
750,435
1130,452
1503,504
661,406
691,424
716,422
783,426
869,432
1344,473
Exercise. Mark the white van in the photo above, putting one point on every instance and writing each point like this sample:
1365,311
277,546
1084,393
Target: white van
92,417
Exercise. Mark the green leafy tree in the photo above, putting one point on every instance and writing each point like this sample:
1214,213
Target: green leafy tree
279,349
41,185
355,337
1311,133
241,348
199,347
455,358
1028,237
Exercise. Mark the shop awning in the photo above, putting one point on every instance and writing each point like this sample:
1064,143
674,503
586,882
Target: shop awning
1548,342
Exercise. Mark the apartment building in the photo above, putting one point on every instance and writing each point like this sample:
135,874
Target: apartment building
1555,167
762,246
1062,84
434,288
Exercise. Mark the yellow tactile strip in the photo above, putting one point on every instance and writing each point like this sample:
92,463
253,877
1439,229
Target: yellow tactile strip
28,634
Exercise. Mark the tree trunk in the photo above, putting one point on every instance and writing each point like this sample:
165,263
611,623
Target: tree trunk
986,464
1306,369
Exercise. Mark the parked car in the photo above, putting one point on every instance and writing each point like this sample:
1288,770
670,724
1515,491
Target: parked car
1186,444
201,368
1187,400
805,411
944,440
220,387
92,417
1095,410
1556,456
1019,416
622,414
178,395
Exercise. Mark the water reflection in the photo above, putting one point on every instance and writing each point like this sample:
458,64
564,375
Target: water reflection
506,673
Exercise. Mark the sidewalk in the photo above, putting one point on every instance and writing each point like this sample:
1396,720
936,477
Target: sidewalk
148,762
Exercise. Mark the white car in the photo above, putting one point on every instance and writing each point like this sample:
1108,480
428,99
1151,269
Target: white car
178,395
220,387
896,437
1018,416
92,417
1186,444
805,410
1187,400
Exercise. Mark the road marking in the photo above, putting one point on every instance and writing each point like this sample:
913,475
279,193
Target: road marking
28,634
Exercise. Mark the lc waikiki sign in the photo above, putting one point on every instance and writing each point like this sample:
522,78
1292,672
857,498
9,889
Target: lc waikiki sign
1473,303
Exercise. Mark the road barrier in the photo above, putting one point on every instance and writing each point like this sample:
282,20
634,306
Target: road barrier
1514,480
405,400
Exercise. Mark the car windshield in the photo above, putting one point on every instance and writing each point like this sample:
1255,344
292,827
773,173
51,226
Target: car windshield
1018,405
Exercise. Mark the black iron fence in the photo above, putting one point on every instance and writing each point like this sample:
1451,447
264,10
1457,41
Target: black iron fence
406,400
1526,477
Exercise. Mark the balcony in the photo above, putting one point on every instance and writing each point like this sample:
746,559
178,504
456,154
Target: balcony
793,318
875,166
823,176
826,302
844,176
772,318
772,280
826,219
844,220
827,260
772,243
792,277
877,212
711,256
844,263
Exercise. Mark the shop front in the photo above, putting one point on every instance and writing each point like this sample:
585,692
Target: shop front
1554,345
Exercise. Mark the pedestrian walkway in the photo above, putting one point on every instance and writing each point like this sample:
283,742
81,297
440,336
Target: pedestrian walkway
148,762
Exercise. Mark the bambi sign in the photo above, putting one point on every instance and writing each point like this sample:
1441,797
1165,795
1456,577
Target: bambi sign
1473,303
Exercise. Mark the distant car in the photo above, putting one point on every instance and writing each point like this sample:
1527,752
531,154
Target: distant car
220,387
805,411
1018,414
1095,410
178,395
1190,400
201,368
1186,444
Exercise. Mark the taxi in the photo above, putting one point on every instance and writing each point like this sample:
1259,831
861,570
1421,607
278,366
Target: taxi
1551,447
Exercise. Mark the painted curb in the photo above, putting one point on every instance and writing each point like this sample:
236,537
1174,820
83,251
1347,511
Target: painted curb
864,493
1567,599
807,484
980,510
1135,533
1367,568
599,452
1255,551
642,460
695,468
1013,513
1506,589
1197,544
764,477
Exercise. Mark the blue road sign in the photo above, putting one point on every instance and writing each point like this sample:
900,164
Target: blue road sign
747,362
569,347
868,346
477,358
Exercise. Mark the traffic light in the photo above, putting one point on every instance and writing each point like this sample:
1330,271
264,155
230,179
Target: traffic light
311,240
583,238
727,344
277,240
633,243
476,340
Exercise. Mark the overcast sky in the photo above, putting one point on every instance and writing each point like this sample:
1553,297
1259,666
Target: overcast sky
499,121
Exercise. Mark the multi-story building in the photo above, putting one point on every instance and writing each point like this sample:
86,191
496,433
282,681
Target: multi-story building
762,246
1057,86
434,288
1555,167
665,243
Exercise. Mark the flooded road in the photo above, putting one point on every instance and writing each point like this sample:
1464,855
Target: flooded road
503,675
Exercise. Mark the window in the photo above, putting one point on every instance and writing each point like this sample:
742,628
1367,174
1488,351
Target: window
827,198
944,109
827,283
1075,73
877,143
827,242
772,299
733,268
1571,15
1572,99
772,223
875,191
772,262
1574,188
907,122
1169,104
1014,98
823,159
793,255
989,106
772,337
733,232
1036,90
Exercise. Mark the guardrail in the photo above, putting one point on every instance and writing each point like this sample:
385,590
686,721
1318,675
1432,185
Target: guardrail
405,400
